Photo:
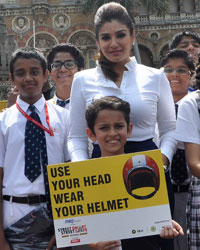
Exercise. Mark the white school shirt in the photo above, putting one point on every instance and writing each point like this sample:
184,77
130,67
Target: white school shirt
12,158
188,122
146,89
54,101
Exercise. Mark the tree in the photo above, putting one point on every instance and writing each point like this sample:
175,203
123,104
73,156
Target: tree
158,7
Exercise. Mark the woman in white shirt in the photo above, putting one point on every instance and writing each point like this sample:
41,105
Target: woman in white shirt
117,74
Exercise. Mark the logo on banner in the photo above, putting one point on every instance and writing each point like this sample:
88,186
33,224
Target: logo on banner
141,177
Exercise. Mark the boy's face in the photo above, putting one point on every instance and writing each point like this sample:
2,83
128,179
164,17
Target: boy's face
63,77
111,132
29,79
191,46
179,82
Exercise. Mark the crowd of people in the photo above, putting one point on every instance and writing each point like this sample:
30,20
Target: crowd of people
117,107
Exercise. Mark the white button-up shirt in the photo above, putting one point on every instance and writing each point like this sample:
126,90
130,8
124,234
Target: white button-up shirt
12,157
146,89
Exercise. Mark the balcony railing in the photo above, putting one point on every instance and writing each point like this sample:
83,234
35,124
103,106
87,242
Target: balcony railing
167,19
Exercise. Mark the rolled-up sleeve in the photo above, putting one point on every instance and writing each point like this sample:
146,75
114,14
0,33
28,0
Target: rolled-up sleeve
166,119
78,140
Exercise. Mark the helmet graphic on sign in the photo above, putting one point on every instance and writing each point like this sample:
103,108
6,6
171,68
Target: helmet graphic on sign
141,171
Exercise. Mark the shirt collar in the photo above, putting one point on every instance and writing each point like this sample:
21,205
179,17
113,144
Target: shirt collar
24,105
131,64
178,102
108,83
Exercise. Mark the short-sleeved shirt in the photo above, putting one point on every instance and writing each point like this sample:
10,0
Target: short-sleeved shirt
188,130
12,157
188,122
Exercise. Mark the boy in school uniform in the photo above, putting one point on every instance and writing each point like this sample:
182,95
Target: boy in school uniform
33,134
109,124
63,61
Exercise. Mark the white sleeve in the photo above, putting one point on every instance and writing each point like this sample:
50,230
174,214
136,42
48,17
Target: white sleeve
66,151
166,119
188,122
78,140
2,145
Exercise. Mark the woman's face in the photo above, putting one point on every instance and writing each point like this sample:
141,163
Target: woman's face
115,41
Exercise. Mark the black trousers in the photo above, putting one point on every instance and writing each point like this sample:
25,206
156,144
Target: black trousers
150,242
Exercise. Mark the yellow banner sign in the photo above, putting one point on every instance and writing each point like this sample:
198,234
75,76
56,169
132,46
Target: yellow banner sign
3,104
105,191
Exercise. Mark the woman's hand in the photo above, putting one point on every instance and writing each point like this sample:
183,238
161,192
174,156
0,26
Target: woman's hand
4,245
165,160
169,232
106,245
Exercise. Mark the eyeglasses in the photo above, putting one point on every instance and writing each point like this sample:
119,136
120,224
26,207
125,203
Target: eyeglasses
180,71
69,64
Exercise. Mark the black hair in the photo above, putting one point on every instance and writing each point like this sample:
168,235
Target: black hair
107,102
106,13
68,48
197,76
112,11
178,53
27,53
178,37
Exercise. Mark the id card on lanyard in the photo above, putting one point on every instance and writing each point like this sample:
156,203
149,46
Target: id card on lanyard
48,130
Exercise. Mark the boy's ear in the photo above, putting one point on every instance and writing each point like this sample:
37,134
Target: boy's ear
130,128
46,73
46,76
11,79
90,134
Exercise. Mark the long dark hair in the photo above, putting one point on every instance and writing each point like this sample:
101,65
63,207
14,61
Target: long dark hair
106,13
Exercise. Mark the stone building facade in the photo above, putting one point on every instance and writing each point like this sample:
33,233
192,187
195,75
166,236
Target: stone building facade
44,23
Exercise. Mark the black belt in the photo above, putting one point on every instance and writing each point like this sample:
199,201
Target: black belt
180,188
31,200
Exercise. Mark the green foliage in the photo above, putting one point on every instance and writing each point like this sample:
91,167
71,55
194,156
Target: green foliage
93,5
158,7
153,6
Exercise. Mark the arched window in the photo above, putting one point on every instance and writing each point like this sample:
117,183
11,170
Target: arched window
146,55
85,41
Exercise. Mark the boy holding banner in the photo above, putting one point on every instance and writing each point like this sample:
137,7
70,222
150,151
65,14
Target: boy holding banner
109,124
